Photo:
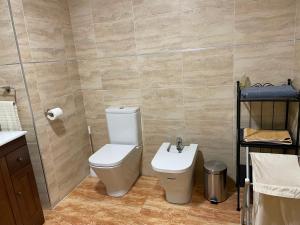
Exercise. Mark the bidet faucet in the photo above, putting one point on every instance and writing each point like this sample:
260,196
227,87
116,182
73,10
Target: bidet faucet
179,145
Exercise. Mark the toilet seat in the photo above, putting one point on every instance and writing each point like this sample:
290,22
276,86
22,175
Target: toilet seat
110,155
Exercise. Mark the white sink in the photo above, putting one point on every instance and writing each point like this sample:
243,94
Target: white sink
8,136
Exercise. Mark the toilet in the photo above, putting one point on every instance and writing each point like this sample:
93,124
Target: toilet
175,171
118,164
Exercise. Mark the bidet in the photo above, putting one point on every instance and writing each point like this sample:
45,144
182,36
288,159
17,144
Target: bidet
175,171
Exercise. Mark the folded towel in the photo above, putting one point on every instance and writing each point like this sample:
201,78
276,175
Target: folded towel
269,92
9,118
272,136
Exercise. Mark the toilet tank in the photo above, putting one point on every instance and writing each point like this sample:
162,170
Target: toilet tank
124,125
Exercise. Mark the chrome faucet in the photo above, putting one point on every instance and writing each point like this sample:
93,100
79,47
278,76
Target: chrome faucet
179,145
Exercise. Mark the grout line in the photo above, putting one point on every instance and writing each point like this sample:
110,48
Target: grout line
159,88
185,50
38,62
10,64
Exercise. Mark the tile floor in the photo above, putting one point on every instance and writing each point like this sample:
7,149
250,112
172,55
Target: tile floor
143,205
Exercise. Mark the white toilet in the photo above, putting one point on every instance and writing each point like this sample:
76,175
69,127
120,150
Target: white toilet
175,171
118,164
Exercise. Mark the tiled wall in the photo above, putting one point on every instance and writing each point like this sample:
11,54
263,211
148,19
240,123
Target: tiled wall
11,75
48,54
178,61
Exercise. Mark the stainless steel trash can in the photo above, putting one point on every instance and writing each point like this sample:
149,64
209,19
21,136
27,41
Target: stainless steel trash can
215,181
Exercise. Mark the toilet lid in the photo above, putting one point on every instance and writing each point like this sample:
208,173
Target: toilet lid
110,155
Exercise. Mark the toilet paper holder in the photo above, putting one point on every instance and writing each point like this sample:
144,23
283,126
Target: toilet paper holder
54,113
47,113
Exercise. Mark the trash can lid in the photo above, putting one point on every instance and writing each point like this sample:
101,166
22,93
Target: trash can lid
215,167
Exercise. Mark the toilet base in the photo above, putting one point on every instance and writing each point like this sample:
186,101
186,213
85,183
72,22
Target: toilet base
119,179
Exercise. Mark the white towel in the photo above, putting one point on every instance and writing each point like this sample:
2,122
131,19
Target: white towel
9,118
276,184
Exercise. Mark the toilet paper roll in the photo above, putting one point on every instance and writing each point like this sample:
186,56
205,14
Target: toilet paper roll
55,113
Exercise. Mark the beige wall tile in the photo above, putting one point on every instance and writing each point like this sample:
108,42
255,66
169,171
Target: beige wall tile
264,62
298,20
9,74
49,30
210,23
119,73
4,12
31,79
84,38
105,11
122,97
93,104
115,38
209,134
46,40
52,80
46,10
263,115
8,53
155,132
99,132
163,104
21,30
83,28
209,103
211,67
73,74
79,9
145,9
90,76
297,64
161,71
263,21
159,33
69,45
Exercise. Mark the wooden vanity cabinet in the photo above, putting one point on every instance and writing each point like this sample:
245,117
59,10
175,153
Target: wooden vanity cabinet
19,199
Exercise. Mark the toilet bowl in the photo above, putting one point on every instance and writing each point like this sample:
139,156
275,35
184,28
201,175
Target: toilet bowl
175,171
117,164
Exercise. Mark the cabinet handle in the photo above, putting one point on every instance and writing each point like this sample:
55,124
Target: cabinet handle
20,159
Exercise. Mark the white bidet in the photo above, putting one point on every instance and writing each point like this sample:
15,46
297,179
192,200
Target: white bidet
175,170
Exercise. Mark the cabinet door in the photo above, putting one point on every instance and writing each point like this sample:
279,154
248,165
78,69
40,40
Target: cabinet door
27,197
6,212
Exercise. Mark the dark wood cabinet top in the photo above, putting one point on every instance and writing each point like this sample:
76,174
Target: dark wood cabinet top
13,145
